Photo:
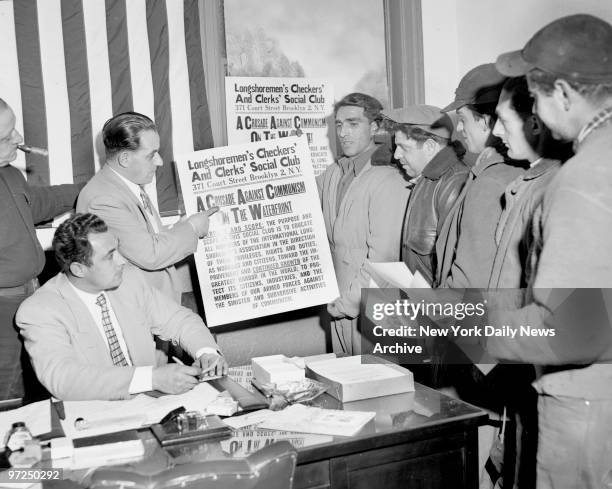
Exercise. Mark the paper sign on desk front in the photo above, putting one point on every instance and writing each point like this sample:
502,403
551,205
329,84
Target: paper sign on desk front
266,251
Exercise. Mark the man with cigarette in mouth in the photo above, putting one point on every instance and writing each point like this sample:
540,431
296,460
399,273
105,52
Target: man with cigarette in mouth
21,257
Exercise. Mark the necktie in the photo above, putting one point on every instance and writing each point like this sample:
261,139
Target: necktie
113,343
146,201
148,207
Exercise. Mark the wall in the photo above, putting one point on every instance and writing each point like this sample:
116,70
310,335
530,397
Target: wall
461,34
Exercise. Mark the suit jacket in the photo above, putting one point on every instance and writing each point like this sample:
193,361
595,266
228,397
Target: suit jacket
156,253
21,207
68,352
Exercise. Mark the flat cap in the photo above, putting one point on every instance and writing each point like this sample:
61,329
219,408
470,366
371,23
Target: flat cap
427,117
480,85
578,47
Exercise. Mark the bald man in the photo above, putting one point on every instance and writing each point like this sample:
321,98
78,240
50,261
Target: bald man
21,257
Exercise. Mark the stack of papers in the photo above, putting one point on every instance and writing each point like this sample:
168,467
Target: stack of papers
243,443
112,416
306,419
107,449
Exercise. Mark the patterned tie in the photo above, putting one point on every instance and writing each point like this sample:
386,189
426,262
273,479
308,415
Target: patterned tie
113,343
146,201
148,207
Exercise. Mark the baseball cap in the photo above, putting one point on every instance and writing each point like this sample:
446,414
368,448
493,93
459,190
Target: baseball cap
427,117
480,85
578,47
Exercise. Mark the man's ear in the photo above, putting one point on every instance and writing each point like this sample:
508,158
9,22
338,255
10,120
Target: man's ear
484,122
430,146
78,269
563,93
374,128
123,158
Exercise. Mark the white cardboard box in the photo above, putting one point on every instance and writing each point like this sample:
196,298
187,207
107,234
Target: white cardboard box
276,369
350,380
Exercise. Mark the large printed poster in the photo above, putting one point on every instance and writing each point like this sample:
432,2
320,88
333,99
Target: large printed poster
267,250
261,109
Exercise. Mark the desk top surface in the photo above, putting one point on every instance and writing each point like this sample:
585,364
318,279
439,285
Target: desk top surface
399,419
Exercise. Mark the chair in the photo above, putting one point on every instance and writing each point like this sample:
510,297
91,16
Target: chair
271,467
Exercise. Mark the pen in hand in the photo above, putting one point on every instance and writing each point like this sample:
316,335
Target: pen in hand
212,367
204,371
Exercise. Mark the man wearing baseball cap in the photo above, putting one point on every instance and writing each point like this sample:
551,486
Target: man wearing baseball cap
432,161
466,246
568,64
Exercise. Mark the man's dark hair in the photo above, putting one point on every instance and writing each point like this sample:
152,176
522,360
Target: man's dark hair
544,81
71,242
371,107
479,111
536,133
122,132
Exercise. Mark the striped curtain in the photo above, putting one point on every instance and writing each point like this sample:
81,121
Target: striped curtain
66,66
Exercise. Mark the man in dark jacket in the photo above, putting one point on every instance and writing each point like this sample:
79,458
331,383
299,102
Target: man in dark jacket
21,256
431,160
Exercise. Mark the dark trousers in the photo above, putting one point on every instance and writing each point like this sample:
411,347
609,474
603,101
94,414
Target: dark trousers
11,381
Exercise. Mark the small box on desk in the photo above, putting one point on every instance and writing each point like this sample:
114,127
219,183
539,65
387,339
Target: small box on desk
348,379
276,369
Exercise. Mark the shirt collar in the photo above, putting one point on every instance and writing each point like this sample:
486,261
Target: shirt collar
602,117
359,161
134,188
539,167
488,157
439,164
86,297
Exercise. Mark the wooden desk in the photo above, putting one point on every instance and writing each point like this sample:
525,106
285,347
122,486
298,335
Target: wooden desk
418,440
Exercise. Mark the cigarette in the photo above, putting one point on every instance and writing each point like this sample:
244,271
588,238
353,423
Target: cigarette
33,149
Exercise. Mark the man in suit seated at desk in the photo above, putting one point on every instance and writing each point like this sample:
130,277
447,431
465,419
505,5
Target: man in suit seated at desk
89,330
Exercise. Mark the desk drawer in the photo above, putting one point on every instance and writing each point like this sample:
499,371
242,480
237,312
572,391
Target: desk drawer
312,476
438,463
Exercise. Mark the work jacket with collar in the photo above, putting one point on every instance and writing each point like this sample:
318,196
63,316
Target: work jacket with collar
466,243
432,197
521,199
572,237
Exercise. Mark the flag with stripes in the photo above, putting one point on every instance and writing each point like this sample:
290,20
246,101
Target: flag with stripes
69,65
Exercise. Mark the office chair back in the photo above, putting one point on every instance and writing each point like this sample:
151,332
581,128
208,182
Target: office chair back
271,467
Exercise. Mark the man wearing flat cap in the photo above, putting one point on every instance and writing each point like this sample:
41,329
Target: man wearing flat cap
568,64
466,246
427,155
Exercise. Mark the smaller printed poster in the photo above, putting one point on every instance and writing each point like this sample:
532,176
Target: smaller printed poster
262,108
266,251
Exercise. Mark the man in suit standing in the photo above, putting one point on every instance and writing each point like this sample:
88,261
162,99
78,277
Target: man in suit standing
117,195
22,259
89,330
